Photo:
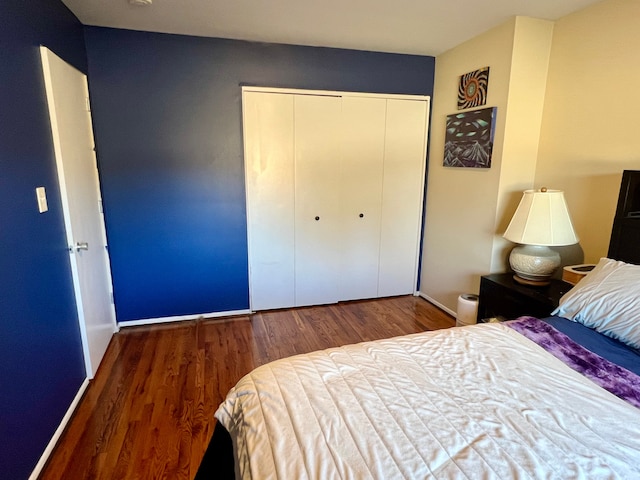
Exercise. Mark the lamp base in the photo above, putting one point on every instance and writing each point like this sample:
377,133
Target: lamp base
533,264
531,283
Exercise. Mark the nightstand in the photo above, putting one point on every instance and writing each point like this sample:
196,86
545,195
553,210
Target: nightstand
503,298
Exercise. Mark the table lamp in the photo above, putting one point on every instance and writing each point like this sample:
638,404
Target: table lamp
541,221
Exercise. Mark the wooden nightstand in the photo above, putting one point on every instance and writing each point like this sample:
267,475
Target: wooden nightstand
503,298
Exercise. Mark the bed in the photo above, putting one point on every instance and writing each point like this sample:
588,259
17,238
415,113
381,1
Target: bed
529,398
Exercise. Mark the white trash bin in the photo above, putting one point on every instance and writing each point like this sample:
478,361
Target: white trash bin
467,309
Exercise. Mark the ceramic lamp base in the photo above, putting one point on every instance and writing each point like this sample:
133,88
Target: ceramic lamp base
534,264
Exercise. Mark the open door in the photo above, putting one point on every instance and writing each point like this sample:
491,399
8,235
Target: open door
68,100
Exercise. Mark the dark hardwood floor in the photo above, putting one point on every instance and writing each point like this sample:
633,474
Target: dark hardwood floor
148,413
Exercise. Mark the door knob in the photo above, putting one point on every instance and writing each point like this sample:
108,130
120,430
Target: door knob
361,215
317,218
82,246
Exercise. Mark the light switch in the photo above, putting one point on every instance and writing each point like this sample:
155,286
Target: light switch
42,199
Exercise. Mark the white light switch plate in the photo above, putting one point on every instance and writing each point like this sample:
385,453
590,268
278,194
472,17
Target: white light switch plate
42,199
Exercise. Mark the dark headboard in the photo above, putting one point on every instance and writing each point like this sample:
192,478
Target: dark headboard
625,235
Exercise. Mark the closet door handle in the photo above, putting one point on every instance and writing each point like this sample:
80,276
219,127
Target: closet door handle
317,218
361,215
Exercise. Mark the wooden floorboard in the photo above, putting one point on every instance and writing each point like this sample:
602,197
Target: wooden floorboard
148,413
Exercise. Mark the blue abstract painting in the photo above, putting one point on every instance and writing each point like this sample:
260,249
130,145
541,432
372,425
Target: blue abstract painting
469,138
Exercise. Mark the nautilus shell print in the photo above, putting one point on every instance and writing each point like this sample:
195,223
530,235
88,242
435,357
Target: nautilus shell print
472,91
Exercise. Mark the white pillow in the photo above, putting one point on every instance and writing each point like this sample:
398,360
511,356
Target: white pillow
607,300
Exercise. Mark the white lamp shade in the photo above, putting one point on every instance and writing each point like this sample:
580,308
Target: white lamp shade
542,218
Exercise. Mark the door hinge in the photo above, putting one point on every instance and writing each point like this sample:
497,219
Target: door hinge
88,104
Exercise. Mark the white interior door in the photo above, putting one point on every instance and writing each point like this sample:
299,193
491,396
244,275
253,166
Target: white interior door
363,127
269,170
404,165
68,100
317,198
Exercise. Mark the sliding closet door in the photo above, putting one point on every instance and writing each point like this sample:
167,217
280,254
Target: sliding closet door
363,121
317,198
404,162
269,171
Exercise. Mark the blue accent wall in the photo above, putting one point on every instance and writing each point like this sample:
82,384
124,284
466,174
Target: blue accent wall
167,115
41,362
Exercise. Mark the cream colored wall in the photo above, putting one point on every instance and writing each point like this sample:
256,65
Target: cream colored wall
466,208
566,120
527,86
589,126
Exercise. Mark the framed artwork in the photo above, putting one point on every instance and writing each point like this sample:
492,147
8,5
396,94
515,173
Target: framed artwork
472,91
469,138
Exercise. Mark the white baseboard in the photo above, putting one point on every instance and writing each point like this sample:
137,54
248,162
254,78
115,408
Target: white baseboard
437,304
58,433
181,318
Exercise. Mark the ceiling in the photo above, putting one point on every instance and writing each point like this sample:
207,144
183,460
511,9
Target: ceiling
423,27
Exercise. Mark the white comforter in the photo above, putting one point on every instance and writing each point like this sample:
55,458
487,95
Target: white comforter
474,402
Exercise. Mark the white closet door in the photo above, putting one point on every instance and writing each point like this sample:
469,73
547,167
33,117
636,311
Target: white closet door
269,173
363,121
404,163
317,161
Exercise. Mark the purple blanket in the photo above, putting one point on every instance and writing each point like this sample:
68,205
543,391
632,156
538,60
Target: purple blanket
614,378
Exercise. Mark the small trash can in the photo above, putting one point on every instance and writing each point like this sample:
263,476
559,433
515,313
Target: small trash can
467,309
